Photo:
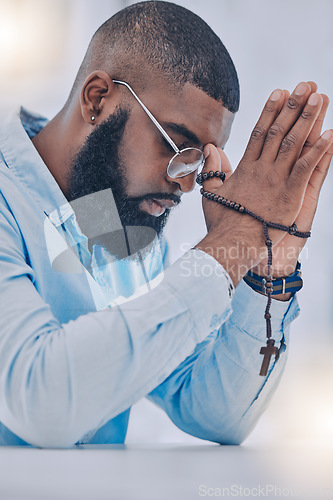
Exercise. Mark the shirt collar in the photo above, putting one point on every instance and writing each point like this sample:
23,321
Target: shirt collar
23,160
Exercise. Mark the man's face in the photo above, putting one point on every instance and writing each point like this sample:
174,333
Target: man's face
128,154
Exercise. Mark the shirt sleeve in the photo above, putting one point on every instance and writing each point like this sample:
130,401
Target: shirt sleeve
217,393
60,381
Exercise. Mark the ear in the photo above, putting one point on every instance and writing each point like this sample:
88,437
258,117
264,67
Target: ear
95,92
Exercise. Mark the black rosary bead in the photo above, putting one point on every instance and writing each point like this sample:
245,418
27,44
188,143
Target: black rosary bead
202,177
292,229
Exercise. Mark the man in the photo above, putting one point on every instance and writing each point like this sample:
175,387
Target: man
81,342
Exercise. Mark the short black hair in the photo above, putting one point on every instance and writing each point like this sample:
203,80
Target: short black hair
168,39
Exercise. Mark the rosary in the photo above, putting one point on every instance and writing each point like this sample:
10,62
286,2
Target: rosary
270,349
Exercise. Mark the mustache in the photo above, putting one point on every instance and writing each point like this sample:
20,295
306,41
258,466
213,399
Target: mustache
158,196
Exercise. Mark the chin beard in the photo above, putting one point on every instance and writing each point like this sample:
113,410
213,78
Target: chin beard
97,167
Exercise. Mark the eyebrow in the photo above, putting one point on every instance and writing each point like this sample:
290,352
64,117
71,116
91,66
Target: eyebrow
184,131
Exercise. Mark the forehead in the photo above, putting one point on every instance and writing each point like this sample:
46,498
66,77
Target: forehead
192,108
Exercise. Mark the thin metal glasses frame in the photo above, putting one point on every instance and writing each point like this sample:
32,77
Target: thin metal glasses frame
163,132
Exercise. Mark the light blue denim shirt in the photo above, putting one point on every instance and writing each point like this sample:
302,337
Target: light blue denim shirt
79,347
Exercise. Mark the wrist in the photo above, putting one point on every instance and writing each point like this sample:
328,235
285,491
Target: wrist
236,256
282,287
277,271
283,297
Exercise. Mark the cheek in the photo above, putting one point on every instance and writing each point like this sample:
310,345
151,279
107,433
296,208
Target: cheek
144,165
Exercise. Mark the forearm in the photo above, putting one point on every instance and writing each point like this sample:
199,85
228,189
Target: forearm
60,381
217,393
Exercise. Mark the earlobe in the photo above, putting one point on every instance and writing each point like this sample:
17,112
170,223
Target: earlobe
95,90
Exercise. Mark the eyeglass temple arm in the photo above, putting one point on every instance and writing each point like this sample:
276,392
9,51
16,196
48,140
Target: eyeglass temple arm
153,119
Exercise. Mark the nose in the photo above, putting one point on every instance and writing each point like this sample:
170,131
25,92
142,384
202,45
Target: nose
186,183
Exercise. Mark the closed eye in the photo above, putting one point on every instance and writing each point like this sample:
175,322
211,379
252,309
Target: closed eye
170,148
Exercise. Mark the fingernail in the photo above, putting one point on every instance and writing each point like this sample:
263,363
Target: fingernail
301,88
327,135
276,95
313,99
206,153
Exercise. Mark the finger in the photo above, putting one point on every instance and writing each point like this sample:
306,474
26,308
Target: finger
304,167
305,217
313,85
317,127
293,143
286,97
225,163
271,110
320,172
213,163
285,121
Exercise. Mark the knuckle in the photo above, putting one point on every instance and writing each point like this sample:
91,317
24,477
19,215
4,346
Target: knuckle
303,164
276,130
258,132
306,114
318,147
288,143
270,107
292,103
308,144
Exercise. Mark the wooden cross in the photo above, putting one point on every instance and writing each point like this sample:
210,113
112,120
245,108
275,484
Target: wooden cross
268,352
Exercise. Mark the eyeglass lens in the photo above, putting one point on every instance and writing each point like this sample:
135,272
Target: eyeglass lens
189,160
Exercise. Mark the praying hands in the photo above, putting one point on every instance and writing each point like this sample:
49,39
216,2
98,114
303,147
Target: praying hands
279,178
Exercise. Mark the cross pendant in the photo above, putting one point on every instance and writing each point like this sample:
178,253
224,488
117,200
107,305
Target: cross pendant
268,352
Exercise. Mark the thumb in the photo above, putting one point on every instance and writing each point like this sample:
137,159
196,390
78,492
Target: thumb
213,163
225,163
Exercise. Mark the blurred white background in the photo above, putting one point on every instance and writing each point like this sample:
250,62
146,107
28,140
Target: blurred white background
273,44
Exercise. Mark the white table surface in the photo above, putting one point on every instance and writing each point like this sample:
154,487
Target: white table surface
168,472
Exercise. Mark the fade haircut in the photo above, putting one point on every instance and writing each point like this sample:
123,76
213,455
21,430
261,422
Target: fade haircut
162,38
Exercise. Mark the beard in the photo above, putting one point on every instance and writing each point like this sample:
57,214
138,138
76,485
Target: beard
98,167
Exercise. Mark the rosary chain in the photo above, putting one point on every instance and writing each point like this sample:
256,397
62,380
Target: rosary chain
293,230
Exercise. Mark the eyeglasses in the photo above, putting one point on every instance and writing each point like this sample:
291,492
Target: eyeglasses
185,161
